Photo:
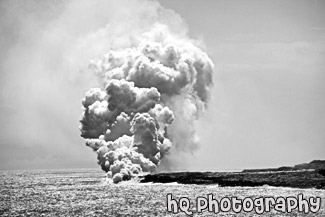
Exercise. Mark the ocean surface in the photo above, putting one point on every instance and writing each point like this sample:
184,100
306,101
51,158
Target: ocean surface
87,192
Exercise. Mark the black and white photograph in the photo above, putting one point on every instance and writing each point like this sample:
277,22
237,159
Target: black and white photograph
162,108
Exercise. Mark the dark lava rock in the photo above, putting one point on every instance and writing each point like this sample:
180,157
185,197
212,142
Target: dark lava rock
308,177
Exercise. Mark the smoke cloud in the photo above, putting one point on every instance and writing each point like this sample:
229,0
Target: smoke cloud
151,92
151,67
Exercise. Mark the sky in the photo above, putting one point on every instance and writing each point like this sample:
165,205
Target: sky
266,107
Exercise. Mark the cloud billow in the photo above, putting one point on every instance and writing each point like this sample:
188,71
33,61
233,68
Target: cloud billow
151,93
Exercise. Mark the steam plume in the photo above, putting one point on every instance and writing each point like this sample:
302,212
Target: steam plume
151,93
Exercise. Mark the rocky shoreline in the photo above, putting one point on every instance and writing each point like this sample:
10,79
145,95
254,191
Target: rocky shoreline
311,175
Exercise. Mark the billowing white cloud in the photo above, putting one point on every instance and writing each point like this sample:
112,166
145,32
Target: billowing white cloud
152,92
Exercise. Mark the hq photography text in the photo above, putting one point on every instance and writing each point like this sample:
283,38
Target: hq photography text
258,205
